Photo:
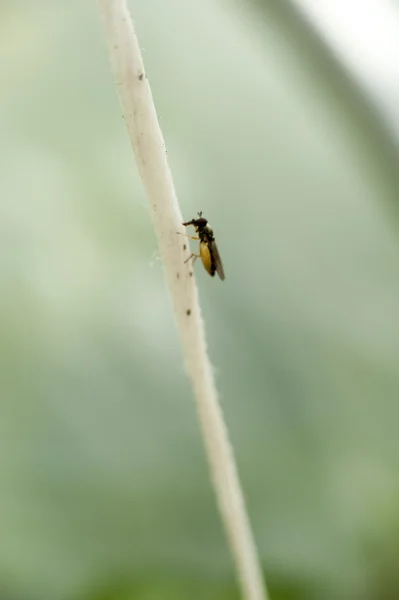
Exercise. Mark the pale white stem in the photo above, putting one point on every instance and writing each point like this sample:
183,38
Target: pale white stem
149,149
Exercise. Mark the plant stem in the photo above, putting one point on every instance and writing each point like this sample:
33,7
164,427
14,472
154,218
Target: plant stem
149,149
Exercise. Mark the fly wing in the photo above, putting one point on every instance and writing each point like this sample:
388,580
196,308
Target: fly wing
217,261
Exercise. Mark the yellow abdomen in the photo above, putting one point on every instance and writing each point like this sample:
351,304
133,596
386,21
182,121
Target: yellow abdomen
206,258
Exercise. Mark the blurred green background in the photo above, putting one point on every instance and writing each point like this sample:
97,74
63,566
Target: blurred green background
104,489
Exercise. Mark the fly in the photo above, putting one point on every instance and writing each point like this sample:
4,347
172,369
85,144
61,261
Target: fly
208,250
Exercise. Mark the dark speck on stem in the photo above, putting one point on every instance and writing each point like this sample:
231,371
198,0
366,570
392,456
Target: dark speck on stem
188,312
141,76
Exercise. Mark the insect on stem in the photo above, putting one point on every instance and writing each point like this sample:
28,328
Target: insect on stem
209,252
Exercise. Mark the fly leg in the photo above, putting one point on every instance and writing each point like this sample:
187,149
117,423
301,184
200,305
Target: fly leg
191,237
192,256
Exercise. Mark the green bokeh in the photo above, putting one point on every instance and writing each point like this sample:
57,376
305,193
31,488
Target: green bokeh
104,490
